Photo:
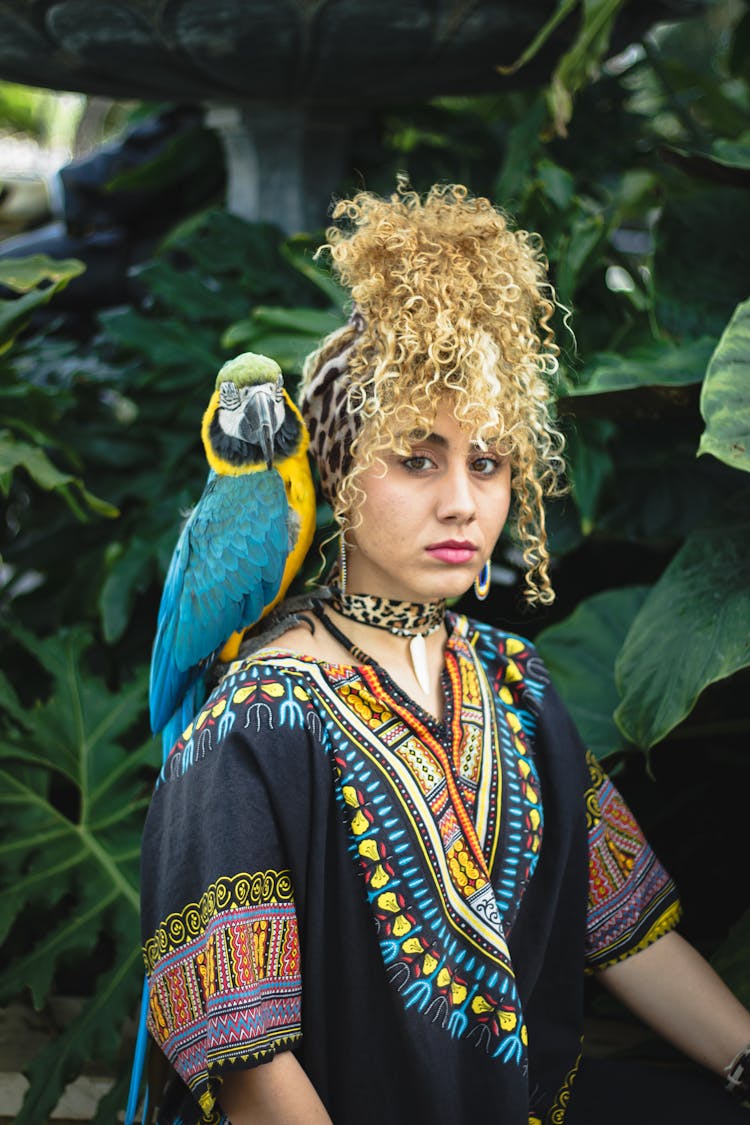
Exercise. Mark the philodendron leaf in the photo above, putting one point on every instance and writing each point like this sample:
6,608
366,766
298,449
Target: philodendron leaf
23,276
581,59
590,465
725,396
691,631
653,365
74,785
60,1061
296,251
580,653
287,335
20,454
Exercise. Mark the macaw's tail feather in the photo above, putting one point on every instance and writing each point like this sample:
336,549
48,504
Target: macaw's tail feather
139,1058
192,701
169,685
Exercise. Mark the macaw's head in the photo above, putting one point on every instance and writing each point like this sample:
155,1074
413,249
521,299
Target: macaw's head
250,421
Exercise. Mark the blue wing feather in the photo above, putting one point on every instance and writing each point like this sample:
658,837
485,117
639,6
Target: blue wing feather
227,566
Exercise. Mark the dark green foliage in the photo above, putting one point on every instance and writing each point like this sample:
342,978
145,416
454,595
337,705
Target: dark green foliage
122,412
725,396
645,210
73,798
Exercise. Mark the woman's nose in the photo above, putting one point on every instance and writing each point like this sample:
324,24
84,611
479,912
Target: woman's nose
456,497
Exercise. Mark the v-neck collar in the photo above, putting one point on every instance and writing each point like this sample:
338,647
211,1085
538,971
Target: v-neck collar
463,785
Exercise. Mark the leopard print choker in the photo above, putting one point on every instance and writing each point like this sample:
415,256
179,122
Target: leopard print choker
404,619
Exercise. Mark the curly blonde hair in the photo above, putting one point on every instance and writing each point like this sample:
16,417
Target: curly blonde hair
454,304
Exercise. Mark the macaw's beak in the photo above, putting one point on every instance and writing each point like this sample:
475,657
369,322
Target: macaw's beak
260,422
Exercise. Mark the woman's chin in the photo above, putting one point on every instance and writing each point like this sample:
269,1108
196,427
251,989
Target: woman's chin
432,586
448,586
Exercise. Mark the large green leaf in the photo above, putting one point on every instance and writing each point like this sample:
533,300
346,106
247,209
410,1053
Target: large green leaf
313,322
659,364
289,349
93,1032
130,569
521,150
580,653
71,848
168,343
23,276
190,295
701,233
590,465
659,491
582,58
725,396
15,454
296,251
287,335
691,631
576,248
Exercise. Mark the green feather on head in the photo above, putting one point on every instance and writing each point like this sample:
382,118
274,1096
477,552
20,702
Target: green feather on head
248,370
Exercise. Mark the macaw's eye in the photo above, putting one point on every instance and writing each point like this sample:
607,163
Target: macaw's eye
229,396
279,389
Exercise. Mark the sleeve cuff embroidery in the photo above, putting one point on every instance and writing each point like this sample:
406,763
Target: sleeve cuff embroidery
225,982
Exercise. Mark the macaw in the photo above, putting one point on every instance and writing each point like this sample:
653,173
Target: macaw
243,542
240,548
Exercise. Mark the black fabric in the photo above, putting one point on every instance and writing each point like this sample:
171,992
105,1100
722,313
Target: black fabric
261,827
625,1092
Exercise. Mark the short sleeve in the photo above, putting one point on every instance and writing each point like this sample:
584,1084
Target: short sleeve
632,900
221,938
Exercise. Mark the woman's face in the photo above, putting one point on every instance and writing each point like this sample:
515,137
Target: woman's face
430,523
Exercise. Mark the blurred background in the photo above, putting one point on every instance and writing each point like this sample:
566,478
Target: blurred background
166,173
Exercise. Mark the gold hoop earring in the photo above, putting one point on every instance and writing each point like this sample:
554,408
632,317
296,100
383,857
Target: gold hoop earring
482,582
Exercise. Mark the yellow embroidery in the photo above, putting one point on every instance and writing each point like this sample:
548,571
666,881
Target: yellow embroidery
227,893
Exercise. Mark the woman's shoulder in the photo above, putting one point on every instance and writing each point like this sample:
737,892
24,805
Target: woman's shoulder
510,660
264,703
493,640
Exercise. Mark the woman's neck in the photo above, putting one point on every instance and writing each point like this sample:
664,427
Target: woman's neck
415,662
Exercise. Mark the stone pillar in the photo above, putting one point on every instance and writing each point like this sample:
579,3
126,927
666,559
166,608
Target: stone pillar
283,161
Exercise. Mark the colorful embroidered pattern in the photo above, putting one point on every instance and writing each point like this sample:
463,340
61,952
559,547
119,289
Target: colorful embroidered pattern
444,824
248,699
446,830
632,900
225,977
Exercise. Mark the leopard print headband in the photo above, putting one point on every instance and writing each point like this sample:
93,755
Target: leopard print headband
326,409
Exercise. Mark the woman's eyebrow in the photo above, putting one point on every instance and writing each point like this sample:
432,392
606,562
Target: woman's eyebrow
487,444
418,437
431,439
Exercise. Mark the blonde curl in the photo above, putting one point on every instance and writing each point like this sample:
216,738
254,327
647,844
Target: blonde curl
456,305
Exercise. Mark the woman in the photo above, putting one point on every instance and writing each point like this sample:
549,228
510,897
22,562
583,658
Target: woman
379,862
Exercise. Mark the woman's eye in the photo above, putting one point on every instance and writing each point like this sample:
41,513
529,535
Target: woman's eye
417,464
485,466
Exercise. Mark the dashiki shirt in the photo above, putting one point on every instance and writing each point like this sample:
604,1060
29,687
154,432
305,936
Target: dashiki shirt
409,905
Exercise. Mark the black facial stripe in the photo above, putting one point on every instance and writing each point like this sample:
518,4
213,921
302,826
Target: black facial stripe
238,452
232,449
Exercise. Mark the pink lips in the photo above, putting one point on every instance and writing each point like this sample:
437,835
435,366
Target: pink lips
453,551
